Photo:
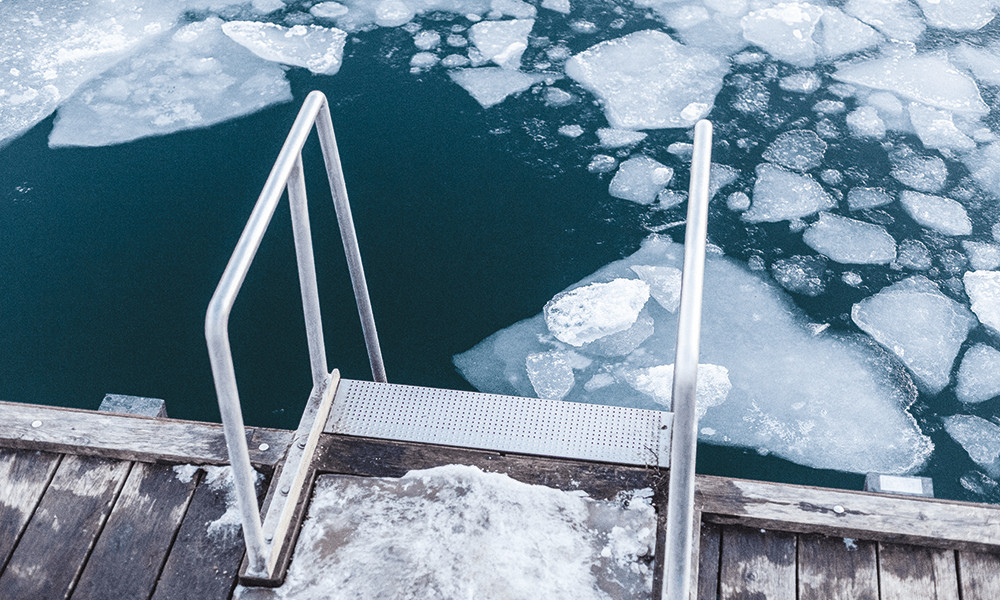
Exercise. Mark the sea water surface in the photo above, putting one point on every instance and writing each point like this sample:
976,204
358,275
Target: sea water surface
853,228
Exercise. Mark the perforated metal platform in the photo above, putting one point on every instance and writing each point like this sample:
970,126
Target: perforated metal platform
501,423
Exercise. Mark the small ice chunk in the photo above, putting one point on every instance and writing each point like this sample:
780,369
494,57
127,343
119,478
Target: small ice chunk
852,279
328,10
561,6
590,312
840,34
453,61
803,82
670,198
829,107
860,198
785,31
936,129
850,242
639,179
557,97
571,131
646,80
897,19
738,202
550,373
913,255
719,176
427,40
928,78
983,288
422,61
713,385
456,41
779,195
681,149
503,42
960,15
979,375
923,173
831,176
492,85
980,439
865,122
806,275
514,8
936,212
602,163
983,256
319,49
664,284
619,138
920,325
799,150
393,13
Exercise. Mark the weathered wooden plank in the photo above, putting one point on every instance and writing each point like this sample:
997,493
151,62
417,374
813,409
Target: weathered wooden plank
908,572
958,525
128,437
381,458
833,568
24,476
979,575
133,545
709,551
205,557
55,545
757,564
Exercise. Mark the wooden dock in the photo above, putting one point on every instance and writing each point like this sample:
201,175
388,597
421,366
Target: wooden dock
98,505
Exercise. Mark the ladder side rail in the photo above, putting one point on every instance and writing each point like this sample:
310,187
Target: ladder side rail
684,442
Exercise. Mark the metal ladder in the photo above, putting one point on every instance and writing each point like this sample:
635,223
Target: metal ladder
466,419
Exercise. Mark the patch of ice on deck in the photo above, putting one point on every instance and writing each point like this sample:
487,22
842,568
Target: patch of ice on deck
657,382
897,19
220,481
492,85
941,214
588,313
961,15
760,337
849,241
457,532
979,438
779,195
920,325
979,375
195,78
799,150
319,49
640,179
502,42
646,80
983,288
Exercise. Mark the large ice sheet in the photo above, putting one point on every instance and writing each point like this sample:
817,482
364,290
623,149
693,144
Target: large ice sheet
646,80
822,400
49,49
849,241
319,49
196,78
920,325
779,195
492,85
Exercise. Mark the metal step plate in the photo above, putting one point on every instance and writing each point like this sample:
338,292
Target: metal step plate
502,423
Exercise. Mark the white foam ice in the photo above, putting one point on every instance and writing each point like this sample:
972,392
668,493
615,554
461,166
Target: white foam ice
983,256
759,336
979,375
979,438
920,325
806,275
647,80
492,85
841,34
865,197
591,312
195,78
961,15
319,49
983,288
640,179
619,138
798,149
865,122
897,19
923,173
927,78
502,42
50,49
657,382
785,31
849,241
941,214
936,128
779,195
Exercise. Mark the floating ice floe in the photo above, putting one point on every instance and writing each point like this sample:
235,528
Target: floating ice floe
983,256
983,288
551,373
920,325
936,128
657,382
561,6
646,80
588,313
897,19
923,173
785,31
983,62
803,82
941,214
865,197
799,150
752,330
961,15
195,78
979,375
492,85
841,34
319,49
806,275
328,10
849,241
502,42
913,255
664,284
979,438
640,179
619,138
865,122
779,195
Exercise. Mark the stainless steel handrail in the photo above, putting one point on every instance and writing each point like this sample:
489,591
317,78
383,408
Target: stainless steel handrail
286,173
684,443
